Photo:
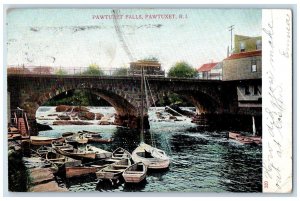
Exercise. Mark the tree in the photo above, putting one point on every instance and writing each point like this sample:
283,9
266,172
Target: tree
60,71
120,72
182,69
93,69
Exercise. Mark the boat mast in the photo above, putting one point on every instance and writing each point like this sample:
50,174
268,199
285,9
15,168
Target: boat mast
253,126
142,106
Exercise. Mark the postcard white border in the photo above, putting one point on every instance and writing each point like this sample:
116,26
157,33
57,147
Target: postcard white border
277,100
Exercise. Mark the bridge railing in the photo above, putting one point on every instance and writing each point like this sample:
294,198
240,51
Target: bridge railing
86,71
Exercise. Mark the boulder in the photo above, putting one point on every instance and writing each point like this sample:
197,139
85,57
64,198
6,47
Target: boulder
51,186
64,117
99,116
41,175
80,109
104,121
63,108
172,118
71,123
86,115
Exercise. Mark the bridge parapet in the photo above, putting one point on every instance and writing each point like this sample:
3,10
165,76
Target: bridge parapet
29,91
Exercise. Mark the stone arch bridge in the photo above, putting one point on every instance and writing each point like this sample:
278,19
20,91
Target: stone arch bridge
123,93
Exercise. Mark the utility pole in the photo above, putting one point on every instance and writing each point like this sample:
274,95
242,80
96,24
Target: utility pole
230,28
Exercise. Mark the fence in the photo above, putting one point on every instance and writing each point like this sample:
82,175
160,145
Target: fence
84,71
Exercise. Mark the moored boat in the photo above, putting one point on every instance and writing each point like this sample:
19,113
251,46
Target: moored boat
245,139
135,173
88,168
114,171
62,146
77,153
121,153
59,162
79,171
67,134
152,157
41,140
100,140
81,139
100,153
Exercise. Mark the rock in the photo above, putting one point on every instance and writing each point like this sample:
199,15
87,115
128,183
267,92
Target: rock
80,109
48,187
71,123
41,127
40,175
104,121
99,116
86,115
63,108
173,118
64,117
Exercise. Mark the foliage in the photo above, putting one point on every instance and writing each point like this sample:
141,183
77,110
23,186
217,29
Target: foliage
76,98
93,69
151,58
60,71
18,176
182,69
120,72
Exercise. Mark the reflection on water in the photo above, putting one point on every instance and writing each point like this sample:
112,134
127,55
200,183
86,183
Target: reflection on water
201,161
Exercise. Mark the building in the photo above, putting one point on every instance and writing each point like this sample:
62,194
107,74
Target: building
246,43
211,70
245,67
151,68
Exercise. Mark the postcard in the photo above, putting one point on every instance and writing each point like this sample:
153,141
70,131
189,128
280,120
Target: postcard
147,99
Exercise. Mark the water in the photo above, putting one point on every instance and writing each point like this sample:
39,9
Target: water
201,161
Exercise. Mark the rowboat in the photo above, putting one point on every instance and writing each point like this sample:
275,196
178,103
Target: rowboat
244,139
41,140
152,157
67,134
81,139
91,134
121,153
59,162
79,171
114,171
99,140
43,150
100,153
77,153
135,173
62,146
87,168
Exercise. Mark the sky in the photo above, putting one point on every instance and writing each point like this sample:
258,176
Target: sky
79,37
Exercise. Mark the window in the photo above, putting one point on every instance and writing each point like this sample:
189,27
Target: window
242,46
247,91
253,65
256,90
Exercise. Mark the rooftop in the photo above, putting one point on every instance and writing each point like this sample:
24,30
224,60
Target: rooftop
207,67
244,55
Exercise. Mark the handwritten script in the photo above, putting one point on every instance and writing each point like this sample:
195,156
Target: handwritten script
275,107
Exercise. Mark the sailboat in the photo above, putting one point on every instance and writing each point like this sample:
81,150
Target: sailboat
152,157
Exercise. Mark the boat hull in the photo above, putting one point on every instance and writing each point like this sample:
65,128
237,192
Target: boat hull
79,171
158,159
76,155
134,175
245,139
44,141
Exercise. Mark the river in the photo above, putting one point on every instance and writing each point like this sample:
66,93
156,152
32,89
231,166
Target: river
202,161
